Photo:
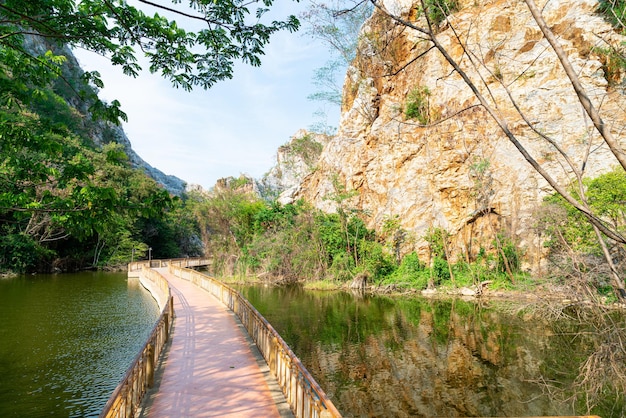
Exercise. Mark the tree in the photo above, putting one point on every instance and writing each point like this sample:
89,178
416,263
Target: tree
228,31
54,188
60,195
337,25
469,66
227,219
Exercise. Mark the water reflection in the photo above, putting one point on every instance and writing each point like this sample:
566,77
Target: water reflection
412,357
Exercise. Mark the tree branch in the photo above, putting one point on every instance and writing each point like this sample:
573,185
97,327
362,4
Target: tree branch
576,84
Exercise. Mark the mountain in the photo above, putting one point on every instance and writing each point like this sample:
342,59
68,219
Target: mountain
101,132
417,145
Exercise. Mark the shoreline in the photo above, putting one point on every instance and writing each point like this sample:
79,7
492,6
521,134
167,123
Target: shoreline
560,295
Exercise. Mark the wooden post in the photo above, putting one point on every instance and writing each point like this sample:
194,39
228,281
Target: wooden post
150,362
166,320
128,410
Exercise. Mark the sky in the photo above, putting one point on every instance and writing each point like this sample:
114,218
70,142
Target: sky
233,128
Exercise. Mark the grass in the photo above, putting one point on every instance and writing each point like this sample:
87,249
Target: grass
324,284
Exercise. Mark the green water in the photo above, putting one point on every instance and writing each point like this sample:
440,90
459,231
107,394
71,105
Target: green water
67,340
378,356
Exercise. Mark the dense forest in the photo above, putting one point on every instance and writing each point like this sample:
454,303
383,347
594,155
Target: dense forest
68,202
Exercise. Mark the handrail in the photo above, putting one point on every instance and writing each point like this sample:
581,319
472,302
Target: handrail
136,266
304,395
181,262
127,396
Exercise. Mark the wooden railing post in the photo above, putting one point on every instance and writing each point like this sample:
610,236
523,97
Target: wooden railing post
166,324
150,365
128,412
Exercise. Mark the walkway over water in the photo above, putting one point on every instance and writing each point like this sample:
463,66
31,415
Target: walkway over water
210,369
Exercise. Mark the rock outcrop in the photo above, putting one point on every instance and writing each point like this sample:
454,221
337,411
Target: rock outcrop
451,166
294,161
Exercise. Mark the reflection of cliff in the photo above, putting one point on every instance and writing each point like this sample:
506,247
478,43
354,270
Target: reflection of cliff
384,357
409,356
450,364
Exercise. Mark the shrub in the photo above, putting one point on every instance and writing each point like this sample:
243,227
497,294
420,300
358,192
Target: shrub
440,270
437,238
341,266
613,64
567,228
614,11
330,233
411,264
509,253
274,217
19,253
574,248
375,261
438,10
416,106
411,272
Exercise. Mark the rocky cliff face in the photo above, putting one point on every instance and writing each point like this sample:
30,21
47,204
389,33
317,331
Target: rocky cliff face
294,161
449,165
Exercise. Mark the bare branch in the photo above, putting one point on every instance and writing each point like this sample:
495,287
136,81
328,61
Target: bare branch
576,84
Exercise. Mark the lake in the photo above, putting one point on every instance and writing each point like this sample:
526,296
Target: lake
66,341
408,356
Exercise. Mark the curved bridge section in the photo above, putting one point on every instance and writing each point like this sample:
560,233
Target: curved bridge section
305,397
303,394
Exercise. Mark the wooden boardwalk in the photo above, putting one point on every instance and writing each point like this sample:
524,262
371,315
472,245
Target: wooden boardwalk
211,368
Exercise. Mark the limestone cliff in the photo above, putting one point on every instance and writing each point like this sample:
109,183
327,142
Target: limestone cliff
449,165
294,161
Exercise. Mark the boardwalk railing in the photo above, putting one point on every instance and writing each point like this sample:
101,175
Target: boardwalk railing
306,398
134,268
128,394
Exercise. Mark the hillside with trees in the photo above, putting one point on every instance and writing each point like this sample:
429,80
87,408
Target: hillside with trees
69,197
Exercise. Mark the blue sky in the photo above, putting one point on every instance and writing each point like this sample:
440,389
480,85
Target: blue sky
233,128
